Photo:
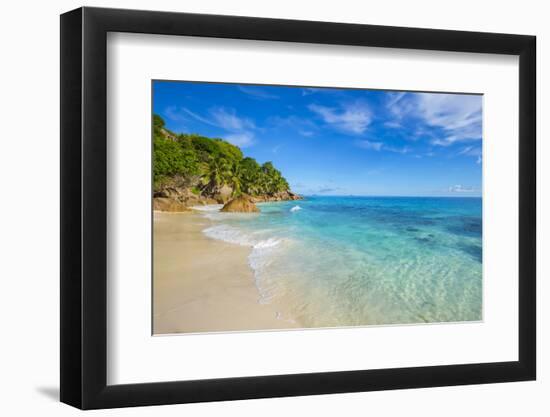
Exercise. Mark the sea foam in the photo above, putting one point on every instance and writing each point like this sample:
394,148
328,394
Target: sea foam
208,208
229,234
260,256
236,236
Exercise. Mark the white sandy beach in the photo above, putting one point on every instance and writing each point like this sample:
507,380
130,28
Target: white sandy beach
201,284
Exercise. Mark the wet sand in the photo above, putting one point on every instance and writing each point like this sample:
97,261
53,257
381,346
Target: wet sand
201,284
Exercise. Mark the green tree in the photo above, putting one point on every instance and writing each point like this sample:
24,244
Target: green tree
158,122
215,174
208,164
228,151
235,177
249,174
274,182
170,157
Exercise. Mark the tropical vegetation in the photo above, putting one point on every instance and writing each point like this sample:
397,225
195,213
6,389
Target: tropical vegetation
206,165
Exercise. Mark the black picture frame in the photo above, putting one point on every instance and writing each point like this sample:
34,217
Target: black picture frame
84,207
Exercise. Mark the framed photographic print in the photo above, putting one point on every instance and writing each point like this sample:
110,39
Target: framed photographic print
257,207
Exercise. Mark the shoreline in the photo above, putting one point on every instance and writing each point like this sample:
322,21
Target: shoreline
309,282
202,284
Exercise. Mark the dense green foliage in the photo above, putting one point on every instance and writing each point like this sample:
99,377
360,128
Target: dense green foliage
209,164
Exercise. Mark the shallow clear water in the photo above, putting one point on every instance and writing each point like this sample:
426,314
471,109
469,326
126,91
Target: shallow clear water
344,261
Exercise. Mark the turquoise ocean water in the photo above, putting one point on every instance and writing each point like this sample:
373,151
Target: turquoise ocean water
348,261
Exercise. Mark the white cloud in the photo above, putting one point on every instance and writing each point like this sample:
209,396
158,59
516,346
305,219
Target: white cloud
228,119
393,125
219,117
304,127
257,92
399,104
381,146
461,189
327,189
239,130
470,151
308,90
241,139
440,142
351,117
403,150
394,98
375,171
458,115
474,151
173,113
367,144
183,113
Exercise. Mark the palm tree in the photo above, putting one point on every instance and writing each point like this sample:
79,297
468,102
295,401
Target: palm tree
215,174
249,172
264,183
235,174
281,184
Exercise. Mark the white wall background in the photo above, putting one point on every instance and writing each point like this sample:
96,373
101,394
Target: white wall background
29,175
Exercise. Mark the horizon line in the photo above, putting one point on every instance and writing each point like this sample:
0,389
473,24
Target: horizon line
390,195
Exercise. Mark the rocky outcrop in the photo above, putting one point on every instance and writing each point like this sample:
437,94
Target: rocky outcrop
169,135
292,196
184,196
281,196
175,194
168,204
223,194
242,204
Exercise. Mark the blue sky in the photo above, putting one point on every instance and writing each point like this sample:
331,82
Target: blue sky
339,141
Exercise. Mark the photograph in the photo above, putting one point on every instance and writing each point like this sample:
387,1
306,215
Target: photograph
292,207
280,204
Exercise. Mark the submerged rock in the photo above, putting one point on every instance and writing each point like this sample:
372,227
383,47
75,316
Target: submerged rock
242,204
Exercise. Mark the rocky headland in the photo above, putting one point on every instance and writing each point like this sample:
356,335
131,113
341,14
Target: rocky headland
192,170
